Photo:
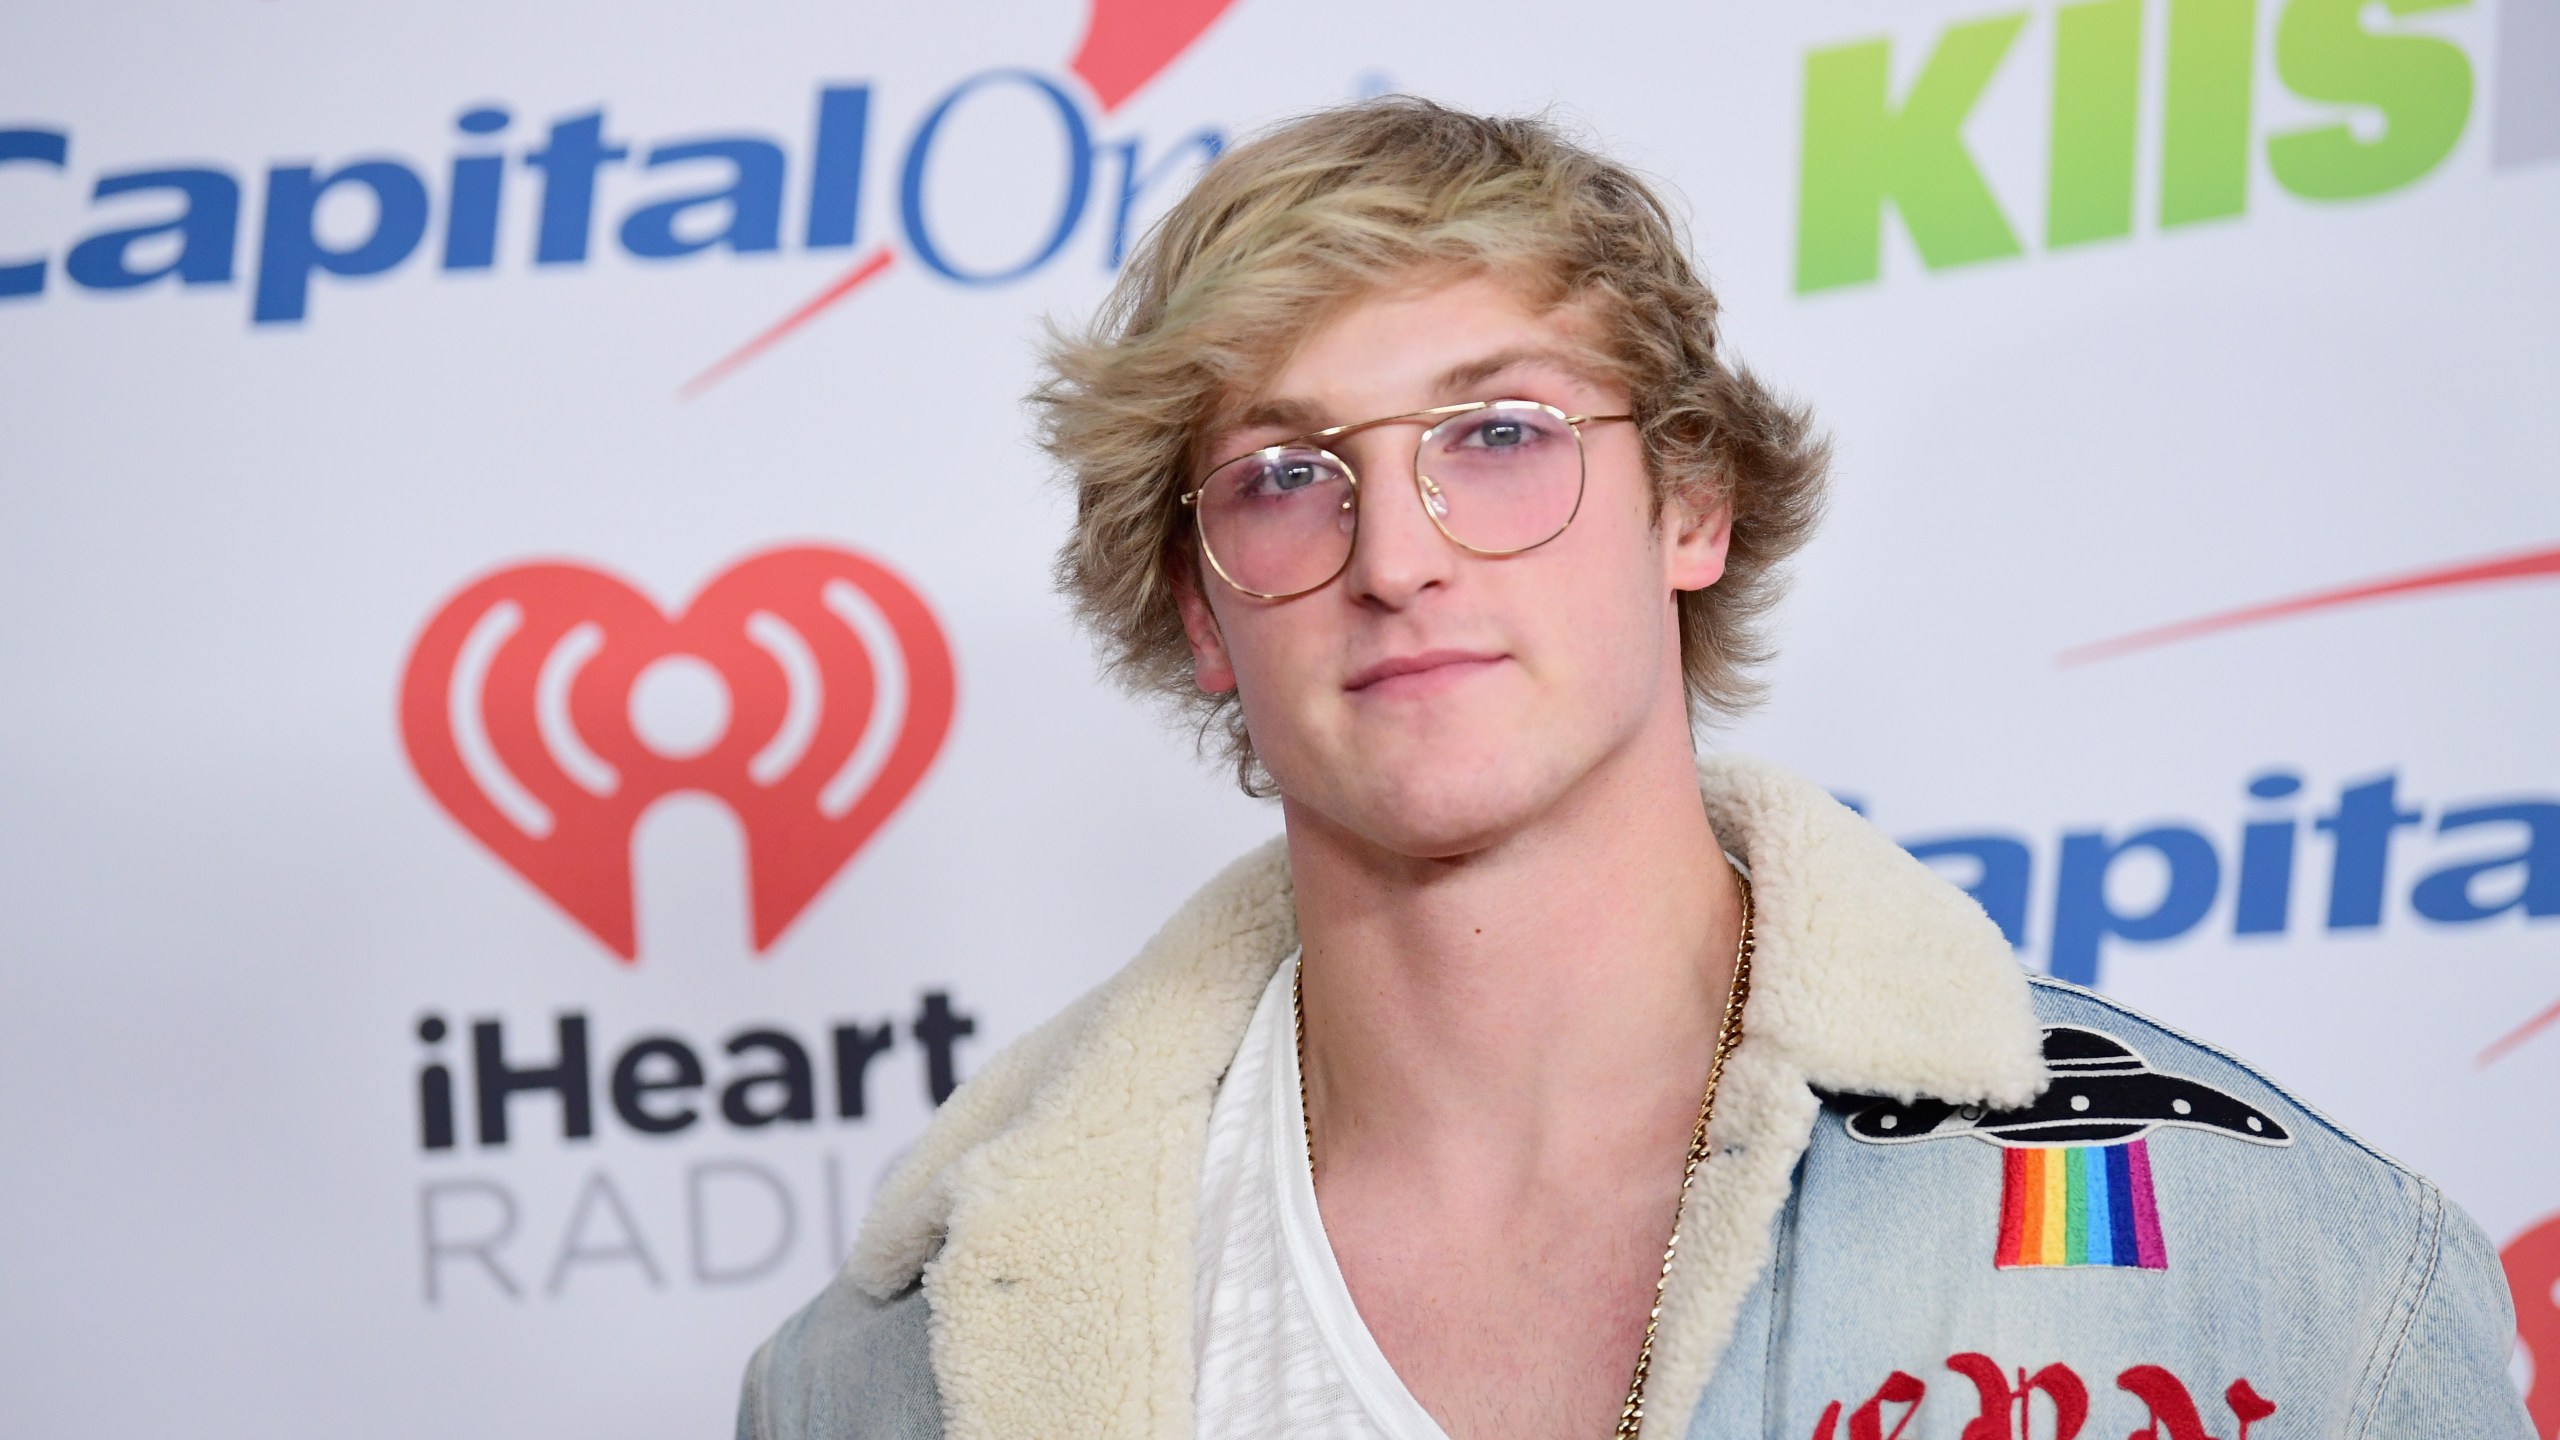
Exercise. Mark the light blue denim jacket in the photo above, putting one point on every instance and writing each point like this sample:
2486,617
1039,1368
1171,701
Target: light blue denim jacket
2318,1273
1944,1202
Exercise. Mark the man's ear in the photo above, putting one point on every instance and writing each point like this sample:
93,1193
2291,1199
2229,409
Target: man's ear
1697,530
1211,670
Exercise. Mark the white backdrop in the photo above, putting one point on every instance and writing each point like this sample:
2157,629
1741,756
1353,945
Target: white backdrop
410,311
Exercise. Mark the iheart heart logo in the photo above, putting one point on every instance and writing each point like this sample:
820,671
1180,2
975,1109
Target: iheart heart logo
810,691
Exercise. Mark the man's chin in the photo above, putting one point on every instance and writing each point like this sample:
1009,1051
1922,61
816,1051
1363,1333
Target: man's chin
1444,813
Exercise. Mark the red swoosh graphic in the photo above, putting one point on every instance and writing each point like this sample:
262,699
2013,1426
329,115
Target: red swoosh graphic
1129,42
2518,1036
843,285
2533,564
1126,44
2536,564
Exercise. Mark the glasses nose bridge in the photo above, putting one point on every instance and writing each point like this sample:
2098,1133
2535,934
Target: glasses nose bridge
1396,461
1398,546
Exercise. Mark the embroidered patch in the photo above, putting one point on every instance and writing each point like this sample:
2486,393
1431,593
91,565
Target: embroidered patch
2075,1185
2079,1205
2006,1407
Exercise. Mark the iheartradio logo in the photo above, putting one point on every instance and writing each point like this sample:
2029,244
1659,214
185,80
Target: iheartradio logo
547,706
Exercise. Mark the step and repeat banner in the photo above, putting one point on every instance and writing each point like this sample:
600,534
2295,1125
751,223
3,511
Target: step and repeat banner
536,744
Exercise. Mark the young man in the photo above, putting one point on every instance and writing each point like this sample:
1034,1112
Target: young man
1544,1081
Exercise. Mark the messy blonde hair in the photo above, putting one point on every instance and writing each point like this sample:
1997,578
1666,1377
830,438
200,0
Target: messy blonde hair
1283,232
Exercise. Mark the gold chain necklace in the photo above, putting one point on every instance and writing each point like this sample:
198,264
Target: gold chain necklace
1728,1035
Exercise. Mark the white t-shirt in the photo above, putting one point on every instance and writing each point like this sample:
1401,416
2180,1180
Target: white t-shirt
1281,1348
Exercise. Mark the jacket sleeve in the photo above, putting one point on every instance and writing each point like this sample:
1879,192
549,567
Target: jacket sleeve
2446,1376
847,1367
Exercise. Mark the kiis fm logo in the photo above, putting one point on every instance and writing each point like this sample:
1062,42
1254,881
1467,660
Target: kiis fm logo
2402,93
181,225
821,690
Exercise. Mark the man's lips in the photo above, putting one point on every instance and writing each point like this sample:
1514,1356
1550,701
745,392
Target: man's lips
1434,664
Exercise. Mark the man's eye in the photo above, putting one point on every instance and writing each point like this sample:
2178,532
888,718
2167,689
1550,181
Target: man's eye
1287,475
1502,432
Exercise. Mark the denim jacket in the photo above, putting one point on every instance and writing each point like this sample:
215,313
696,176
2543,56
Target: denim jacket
1944,1201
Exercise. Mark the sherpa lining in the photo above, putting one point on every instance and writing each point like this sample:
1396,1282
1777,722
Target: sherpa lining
1049,1208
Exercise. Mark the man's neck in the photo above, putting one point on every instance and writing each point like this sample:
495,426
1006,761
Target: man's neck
1536,1008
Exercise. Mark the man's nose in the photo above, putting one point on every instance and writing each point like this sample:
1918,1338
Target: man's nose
1398,553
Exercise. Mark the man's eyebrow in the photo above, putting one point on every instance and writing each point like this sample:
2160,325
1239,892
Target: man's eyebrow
1469,374
1297,417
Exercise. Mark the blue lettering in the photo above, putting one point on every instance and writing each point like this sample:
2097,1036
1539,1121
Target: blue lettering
2082,917
1070,210
41,147
1134,184
471,222
2447,895
2363,823
835,165
751,202
290,249
2264,903
2002,868
208,231
568,163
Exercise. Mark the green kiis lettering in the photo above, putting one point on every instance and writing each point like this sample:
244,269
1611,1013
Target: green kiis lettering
2097,93
2204,136
2420,83
1860,152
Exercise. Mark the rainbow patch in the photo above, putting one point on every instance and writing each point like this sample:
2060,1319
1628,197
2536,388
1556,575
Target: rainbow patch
2079,1205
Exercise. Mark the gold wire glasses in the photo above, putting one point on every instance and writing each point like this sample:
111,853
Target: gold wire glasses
1496,477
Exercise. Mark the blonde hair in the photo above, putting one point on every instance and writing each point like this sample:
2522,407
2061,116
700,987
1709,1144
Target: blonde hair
1282,232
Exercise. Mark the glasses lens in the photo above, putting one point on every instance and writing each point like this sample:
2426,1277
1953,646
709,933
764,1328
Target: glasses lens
1278,521
1502,478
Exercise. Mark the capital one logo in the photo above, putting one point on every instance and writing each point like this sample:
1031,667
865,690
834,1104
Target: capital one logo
589,185
820,690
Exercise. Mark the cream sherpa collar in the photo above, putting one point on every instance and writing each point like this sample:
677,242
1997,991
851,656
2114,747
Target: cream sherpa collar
1049,1209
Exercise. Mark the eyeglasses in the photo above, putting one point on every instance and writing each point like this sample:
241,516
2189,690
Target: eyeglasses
1496,477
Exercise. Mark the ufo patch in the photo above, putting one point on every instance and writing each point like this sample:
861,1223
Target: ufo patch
2103,1092
2076,1171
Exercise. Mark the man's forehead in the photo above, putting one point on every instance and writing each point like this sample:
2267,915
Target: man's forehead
1573,362
1567,351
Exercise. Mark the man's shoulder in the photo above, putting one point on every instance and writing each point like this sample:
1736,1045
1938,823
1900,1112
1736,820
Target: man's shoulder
2162,1207
1045,1164
2315,1210
2123,1045
2126,1090
848,1366
1151,1040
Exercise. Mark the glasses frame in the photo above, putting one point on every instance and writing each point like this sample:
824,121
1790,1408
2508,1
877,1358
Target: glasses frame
1425,488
